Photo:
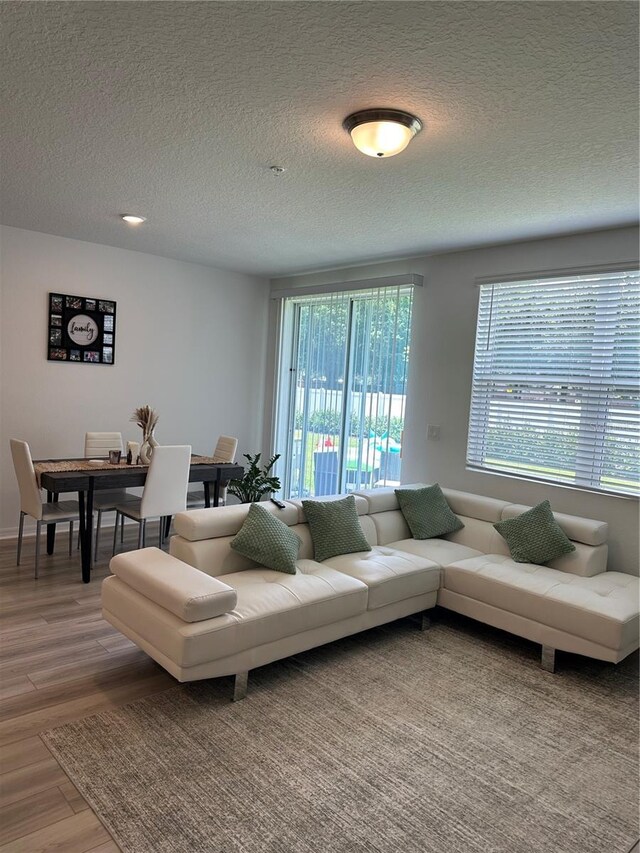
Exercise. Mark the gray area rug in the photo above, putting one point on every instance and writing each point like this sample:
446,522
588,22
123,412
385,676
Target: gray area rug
449,741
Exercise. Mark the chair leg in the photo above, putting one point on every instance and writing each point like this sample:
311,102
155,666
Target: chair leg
141,531
98,523
160,531
121,529
70,538
20,532
38,527
115,534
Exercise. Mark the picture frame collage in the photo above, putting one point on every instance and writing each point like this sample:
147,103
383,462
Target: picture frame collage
81,329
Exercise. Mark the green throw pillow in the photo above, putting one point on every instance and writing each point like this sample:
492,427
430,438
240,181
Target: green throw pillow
268,541
335,528
427,512
535,536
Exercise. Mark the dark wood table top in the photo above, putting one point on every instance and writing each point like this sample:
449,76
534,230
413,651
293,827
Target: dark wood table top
123,478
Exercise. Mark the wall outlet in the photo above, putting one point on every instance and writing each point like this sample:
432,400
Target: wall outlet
433,432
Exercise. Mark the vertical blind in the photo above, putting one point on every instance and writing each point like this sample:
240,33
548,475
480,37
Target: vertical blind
347,389
556,381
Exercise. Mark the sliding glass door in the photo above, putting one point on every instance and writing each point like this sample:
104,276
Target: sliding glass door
342,390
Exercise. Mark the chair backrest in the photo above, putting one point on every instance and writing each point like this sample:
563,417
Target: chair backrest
225,450
100,443
165,489
30,497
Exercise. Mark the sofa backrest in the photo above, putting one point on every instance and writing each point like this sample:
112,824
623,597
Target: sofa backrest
204,536
479,514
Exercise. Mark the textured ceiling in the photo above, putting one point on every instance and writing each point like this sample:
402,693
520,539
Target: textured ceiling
177,110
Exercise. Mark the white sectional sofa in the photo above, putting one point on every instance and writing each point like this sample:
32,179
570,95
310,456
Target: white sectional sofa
204,610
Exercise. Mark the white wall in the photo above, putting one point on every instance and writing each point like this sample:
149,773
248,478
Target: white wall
190,342
442,361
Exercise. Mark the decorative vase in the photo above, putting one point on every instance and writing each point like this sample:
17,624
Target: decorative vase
146,448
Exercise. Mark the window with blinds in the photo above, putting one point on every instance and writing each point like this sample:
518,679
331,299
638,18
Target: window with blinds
556,381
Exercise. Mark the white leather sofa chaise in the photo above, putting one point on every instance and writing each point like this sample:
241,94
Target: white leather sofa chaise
204,610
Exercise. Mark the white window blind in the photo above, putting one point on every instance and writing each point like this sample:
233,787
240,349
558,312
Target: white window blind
556,381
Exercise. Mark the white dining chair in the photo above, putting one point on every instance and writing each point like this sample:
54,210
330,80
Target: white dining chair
31,502
97,445
164,494
225,451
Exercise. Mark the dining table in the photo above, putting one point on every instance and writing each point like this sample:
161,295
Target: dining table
86,477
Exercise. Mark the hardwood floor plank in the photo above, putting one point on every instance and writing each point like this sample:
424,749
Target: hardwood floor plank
89,627
29,780
33,813
70,610
22,753
28,724
79,833
59,661
20,620
14,686
21,663
99,683
115,644
58,675
108,847
74,797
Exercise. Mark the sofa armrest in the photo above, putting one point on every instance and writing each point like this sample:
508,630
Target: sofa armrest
189,593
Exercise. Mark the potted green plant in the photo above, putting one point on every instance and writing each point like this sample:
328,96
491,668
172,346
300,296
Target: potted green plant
256,482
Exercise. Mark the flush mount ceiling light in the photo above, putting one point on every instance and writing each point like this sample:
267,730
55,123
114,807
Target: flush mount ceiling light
132,219
382,133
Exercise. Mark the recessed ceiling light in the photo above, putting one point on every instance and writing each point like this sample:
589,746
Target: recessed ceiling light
132,219
382,133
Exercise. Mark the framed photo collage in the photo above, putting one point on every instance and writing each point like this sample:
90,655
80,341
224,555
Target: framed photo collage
81,329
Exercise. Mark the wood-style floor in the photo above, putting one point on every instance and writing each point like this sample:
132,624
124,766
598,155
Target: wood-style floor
59,661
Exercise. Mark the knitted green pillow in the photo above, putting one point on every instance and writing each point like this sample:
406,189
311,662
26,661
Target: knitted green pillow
535,536
427,512
335,528
268,541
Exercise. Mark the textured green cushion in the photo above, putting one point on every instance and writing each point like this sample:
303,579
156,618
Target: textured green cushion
427,512
535,536
335,528
268,541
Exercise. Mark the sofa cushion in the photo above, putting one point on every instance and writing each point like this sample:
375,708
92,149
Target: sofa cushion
427,512
603,609
335,528
390,575
440,551
272,605
267,540
535,536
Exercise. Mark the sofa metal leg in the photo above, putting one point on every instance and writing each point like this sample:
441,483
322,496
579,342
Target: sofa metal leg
240,686
548,659
425,621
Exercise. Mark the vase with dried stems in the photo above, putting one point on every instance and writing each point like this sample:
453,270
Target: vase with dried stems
146,418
